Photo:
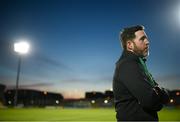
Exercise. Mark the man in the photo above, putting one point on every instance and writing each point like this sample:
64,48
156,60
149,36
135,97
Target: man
137,96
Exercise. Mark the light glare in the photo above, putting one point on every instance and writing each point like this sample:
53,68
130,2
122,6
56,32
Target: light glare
105,101
171,101
57,101
21,47
93,101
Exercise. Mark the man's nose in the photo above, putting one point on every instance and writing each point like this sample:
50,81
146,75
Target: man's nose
147,42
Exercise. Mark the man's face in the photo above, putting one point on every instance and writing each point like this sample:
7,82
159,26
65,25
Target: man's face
141,44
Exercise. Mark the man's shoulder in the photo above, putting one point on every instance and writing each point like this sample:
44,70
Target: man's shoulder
128,57
127,61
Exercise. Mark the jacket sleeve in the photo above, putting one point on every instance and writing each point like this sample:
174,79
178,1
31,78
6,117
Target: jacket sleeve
163,94
133,78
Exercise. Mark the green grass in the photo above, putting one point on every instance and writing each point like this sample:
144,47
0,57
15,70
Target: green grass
59,114
170,114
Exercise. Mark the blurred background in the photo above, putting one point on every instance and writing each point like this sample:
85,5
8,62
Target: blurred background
74,45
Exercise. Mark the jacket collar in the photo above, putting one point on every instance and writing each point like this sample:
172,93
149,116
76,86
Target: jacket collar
131,55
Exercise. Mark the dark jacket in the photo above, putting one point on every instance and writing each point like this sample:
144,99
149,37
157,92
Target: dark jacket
135,97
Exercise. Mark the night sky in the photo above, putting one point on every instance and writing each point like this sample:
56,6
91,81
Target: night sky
75,43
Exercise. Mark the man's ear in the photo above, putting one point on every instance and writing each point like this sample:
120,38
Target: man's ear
130,45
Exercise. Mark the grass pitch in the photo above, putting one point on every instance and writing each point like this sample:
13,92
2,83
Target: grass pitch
59,114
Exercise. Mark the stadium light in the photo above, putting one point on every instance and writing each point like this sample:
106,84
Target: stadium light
105,101
21,47
171,101
9,102
93,101
177,93
57,101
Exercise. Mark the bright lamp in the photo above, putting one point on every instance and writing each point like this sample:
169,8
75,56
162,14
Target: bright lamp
21,47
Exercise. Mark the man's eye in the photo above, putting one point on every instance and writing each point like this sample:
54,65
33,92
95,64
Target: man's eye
143,38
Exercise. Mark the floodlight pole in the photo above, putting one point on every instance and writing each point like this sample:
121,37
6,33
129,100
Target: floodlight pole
17,81
21,48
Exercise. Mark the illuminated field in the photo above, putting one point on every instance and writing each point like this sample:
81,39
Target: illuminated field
59,114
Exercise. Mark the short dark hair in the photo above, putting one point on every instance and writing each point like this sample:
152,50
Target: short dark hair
129,34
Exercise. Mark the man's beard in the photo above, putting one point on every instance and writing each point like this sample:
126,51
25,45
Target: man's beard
139,52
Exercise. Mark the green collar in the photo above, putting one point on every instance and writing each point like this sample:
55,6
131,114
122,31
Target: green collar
151,80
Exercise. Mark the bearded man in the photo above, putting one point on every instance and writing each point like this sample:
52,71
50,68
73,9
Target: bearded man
136,94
